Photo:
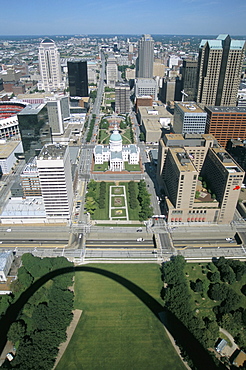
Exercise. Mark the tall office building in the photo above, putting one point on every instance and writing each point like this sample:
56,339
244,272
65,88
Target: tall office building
78,78
58,112
189,73
111,71
219,71
145,57
200,181
55,178
50,67
122,97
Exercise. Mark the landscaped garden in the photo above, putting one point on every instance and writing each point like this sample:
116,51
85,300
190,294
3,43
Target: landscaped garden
117,330
137,200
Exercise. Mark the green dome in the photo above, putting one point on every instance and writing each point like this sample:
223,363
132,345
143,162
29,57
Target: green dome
115,137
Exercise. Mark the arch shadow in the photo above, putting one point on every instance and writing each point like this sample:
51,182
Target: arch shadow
200,357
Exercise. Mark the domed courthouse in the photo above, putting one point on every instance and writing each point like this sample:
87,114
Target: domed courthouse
115,153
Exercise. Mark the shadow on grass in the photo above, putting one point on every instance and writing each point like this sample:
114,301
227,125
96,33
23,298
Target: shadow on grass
199,356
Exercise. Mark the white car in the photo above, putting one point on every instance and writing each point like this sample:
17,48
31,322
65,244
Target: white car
228,239
9,230
140,240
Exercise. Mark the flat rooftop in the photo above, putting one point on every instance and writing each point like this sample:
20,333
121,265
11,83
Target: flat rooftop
23,208
52,151
226,109
190,107
7,148
186,165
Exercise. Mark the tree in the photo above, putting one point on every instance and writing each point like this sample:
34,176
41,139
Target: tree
214,277
17,331
197,286
217,292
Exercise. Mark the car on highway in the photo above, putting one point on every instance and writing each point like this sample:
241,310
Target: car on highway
140,240
9,230
228,239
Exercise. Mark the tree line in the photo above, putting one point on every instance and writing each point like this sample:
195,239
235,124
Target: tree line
41,326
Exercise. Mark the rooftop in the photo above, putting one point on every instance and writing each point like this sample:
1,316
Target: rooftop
226,109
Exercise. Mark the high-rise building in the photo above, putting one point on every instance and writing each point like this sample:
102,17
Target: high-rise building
226,123
111,71
54,169
58,111
145,57
219,71
200,181
34,128
146,86
122,97
78,78
50,67
189,73
189,118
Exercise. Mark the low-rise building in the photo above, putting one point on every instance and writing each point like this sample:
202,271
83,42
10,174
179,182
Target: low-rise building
6,260
154,122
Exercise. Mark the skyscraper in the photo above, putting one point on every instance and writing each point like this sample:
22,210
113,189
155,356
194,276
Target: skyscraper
122,97
55,178
78,78
145,57
189,73
50,68
111,71
219,71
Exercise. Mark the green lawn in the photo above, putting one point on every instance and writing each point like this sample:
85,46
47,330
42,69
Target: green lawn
116,330
133,213
117,190
101,167
132,167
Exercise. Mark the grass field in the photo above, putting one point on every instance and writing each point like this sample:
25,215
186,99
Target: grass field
116,330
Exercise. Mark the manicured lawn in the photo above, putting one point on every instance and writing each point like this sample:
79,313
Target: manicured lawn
116,330
133,213
132,167
103,214
101,167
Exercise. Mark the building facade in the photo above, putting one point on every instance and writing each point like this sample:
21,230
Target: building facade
111,71
189,74
226,123
50,67
145,57
55,176
200,181
58,111
189,118
146,86
78,78
116,154
219,71
122,98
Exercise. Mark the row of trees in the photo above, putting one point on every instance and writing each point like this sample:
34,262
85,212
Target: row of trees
102,195
41,326
132,192
90,130
146,210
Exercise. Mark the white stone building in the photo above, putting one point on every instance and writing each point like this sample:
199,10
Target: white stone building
55,178
116,154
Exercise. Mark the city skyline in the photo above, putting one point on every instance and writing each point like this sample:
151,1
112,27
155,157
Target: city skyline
186,17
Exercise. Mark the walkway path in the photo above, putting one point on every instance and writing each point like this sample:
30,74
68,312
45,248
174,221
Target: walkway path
70,331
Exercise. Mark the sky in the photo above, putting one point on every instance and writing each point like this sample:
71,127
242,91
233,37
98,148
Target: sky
178,17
